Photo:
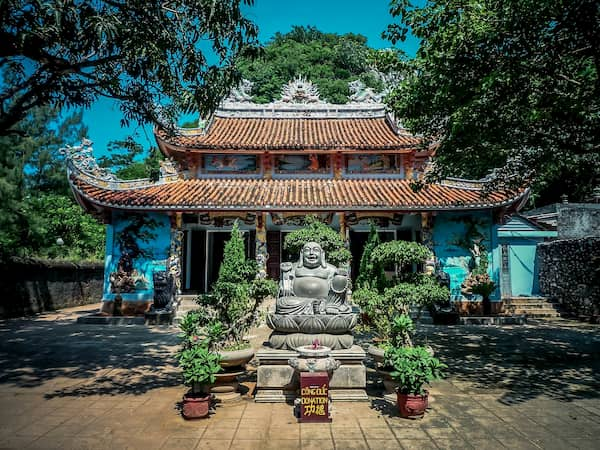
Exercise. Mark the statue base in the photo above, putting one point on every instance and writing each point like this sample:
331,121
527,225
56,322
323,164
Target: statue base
278,382
291,341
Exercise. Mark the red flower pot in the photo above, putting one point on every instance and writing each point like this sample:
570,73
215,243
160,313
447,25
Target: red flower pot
412,406
195,407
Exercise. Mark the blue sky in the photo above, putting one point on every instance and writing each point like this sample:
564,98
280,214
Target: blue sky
368,18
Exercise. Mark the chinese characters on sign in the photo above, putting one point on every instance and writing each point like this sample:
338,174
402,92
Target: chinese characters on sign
314,394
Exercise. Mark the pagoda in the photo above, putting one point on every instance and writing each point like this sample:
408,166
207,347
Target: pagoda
268,166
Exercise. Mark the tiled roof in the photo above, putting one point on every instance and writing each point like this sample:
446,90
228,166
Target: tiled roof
290,194
372,133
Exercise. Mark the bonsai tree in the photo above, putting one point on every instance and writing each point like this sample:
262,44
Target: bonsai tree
231,307
316,231
408,288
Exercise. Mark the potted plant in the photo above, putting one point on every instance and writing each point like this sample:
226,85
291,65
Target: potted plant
480,284
412,368
385,304
199,366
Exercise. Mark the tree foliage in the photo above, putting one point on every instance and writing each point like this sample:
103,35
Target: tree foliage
328,60
35,202
316,231
506,84
124,160
371,274
141,53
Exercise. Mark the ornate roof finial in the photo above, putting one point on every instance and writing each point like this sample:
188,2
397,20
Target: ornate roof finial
82,157
300,90
363,94
241,93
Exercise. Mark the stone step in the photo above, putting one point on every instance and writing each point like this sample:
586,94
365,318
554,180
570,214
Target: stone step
521,300
547,307
539,315
532,305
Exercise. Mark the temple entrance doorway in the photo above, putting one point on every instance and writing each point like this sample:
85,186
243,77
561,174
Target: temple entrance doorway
358,240
204,254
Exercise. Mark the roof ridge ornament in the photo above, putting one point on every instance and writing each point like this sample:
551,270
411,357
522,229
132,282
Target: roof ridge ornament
363,94
82,158
82,164
300,90
241,93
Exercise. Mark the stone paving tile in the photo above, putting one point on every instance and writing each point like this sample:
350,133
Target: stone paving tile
179,443
247,444
351,444
317,444
214,444
417,444
375,444
219,433
347,433
281,444
488,443
518,444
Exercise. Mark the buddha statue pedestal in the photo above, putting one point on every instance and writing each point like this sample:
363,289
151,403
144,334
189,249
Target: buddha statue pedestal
311,306
278,382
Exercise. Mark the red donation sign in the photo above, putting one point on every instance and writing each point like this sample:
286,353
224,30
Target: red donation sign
314,394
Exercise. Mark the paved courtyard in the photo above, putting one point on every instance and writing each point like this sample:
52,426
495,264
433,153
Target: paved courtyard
64,385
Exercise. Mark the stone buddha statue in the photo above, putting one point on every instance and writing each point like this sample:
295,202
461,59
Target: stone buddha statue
311,285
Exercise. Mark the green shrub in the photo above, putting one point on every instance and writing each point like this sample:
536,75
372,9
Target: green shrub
315,231
413,368
261,288
400,253
199,366
371,274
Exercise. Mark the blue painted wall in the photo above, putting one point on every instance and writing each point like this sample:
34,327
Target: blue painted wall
451,245
521,237
155,240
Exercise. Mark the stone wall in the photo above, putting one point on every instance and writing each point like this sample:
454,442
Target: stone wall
578,220
33,286
570,273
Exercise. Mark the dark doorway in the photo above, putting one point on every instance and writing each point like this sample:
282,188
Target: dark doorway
274,251
358,240
197,260
216,245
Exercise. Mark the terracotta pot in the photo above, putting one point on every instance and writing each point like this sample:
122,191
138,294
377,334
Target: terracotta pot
195,407
412,406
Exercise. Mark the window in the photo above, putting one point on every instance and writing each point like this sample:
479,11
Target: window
310,163
385,163
226,163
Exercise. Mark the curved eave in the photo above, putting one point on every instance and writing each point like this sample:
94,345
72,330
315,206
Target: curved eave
290,195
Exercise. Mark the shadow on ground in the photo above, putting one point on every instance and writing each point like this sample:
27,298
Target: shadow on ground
518,363
67,359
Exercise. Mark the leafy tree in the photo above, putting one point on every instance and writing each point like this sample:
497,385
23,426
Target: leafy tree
371,274
508,84
55,217
316,231
328,60
235,268
141,53
31,167
124,160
